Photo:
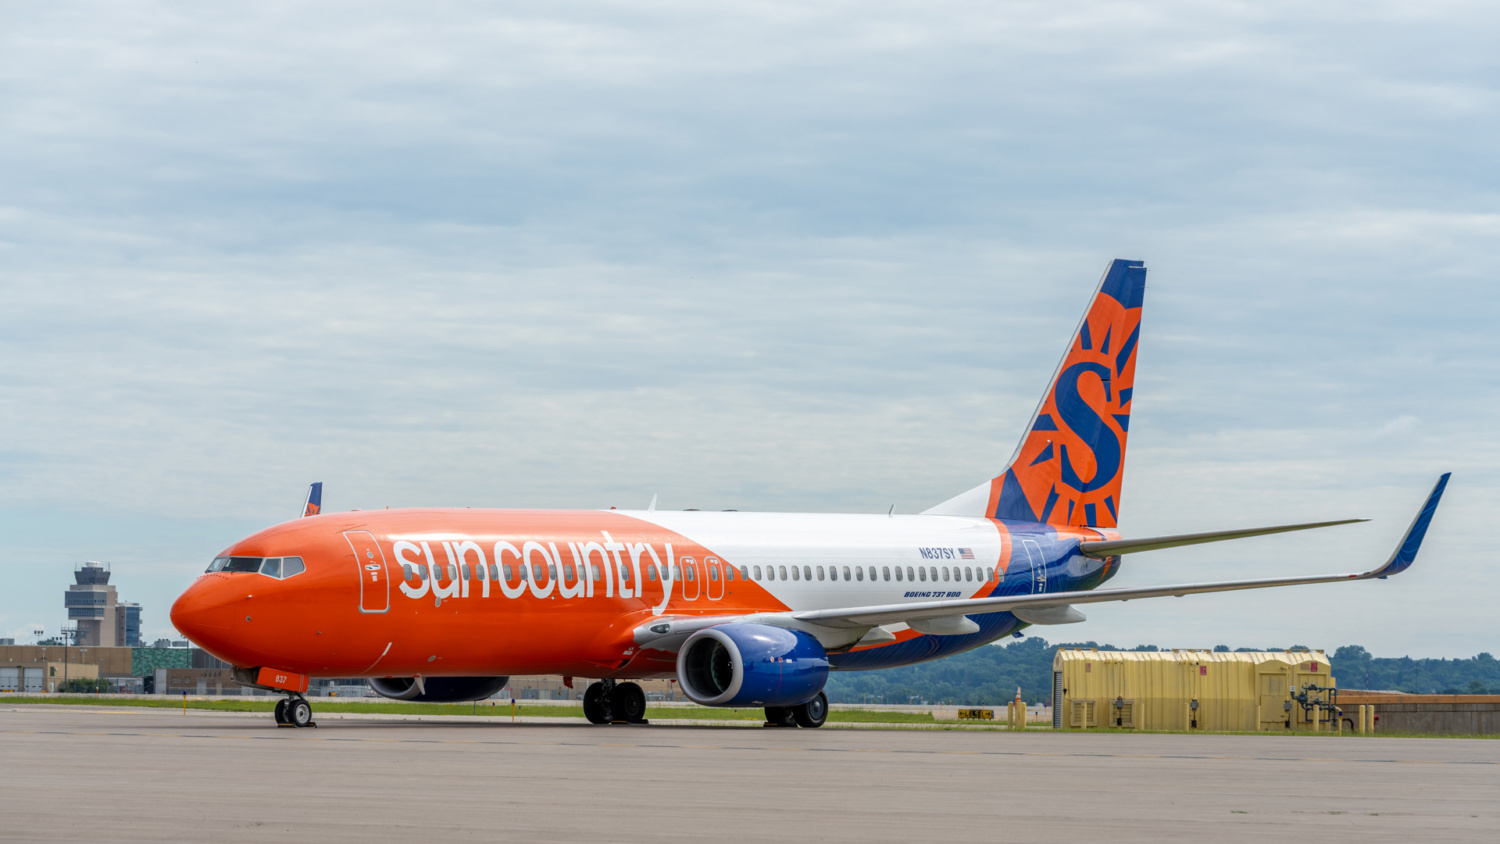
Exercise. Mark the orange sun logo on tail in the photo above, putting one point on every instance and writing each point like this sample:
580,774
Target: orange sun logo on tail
1068,468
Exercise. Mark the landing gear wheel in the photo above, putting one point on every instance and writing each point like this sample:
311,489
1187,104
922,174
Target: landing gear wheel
281,712
298,713
628,703
596,706
780,716
813,713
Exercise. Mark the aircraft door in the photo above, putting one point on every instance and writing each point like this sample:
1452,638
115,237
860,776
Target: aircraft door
692,578
715,578
1038,583
374,582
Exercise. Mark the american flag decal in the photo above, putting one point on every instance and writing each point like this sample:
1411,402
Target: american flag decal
966,553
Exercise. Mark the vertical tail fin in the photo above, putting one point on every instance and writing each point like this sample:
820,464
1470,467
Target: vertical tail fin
1068,466
314,504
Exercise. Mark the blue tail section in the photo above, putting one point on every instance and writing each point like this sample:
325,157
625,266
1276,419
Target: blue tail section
314,504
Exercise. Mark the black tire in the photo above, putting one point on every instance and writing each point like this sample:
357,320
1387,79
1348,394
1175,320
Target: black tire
298,713
812,714
596,706
281,711
780,716
628,703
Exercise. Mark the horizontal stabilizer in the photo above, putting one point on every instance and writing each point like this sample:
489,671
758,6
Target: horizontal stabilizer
1117,547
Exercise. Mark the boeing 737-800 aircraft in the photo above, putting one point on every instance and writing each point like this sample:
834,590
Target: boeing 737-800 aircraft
742,609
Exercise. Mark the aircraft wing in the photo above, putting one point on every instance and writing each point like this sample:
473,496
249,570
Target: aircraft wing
669,632
870,616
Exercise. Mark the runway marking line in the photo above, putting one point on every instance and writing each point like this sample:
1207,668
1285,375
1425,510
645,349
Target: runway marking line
1011,753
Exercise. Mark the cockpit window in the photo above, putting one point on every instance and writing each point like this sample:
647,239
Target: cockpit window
278,567
243,564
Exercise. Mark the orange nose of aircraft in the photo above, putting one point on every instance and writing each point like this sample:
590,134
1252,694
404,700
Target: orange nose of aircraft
206,613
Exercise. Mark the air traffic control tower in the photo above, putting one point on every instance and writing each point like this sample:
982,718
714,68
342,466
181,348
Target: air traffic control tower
102,620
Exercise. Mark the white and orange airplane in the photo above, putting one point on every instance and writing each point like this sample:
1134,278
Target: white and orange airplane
742,609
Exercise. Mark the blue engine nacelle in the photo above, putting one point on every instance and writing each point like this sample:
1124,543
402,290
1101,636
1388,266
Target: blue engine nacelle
751,665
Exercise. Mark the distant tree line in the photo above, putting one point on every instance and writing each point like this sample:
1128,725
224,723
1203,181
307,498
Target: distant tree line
989,675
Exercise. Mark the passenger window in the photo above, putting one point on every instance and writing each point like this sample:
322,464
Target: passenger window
494,572
422,573
782,572
922,573
885,572
595,572
807,572
757,573
452,571
650,573
507,572
945,574
291,566
271,567
898,573
833,572
846,573
692,572
463,569
551,572
713,573
676,573
934,574
744,572
624,574
859,572
796,575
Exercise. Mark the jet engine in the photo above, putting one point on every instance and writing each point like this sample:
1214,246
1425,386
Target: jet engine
744,664
438,689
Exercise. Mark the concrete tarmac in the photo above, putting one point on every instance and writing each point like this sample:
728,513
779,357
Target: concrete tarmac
79,773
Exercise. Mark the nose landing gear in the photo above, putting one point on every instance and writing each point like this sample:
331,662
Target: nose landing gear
294,711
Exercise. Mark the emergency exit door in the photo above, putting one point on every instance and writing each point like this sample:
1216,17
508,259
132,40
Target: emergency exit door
374,582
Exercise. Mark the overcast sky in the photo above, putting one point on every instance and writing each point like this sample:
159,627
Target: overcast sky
769,256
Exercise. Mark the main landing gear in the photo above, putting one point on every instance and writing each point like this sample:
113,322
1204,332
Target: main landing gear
812,714
608,702
294,711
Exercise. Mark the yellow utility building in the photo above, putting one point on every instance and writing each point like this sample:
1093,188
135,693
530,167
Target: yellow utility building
1273,691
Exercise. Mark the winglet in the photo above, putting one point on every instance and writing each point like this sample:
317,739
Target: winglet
314,504
1406,552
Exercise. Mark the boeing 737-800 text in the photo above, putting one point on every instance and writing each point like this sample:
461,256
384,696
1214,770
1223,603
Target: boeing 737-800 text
742,609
